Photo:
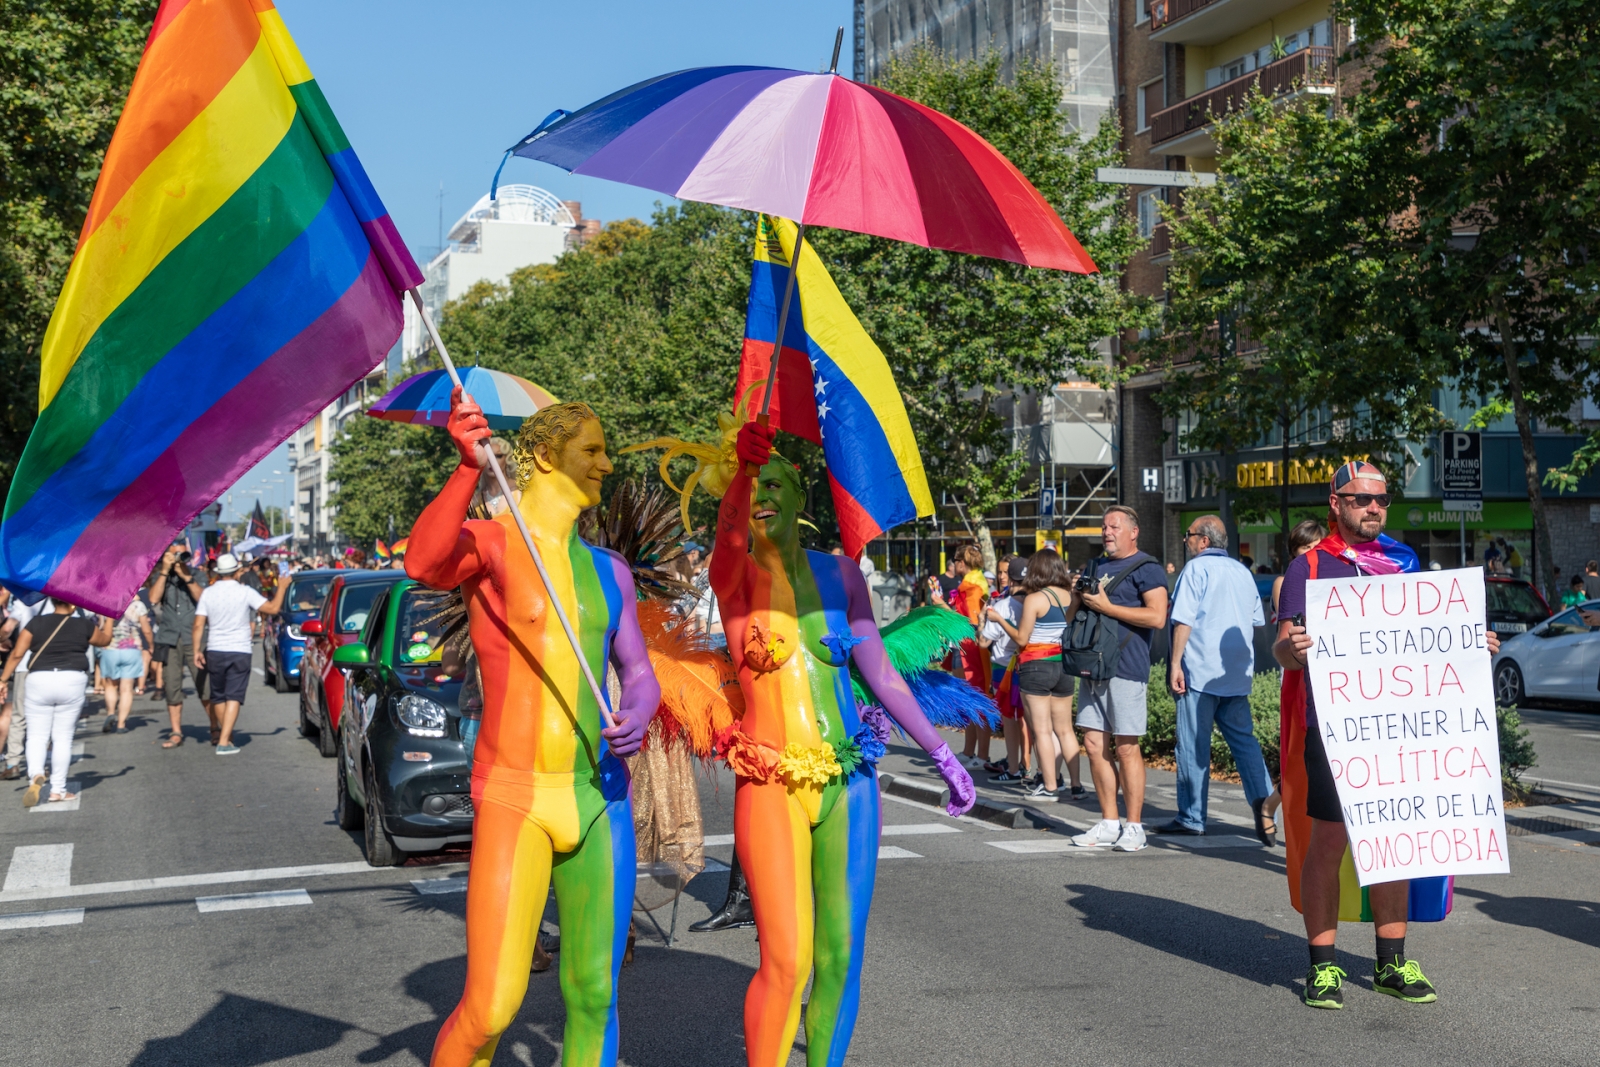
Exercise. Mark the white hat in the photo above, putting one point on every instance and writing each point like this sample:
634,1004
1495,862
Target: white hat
227,563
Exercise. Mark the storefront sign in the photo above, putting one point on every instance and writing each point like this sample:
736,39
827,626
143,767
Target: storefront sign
1399,670
1461,470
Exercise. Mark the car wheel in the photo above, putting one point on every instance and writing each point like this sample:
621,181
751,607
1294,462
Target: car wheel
279,682
346,812
1508,690
327,739
306,729
381,850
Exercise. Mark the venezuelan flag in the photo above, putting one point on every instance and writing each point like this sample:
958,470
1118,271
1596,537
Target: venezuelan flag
235,273
834,388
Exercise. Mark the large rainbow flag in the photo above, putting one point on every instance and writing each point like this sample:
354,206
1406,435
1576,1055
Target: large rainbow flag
235,273
834,388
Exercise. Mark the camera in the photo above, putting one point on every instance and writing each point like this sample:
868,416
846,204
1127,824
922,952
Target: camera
184,558
1085,584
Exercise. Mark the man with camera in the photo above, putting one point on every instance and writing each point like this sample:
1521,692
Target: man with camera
1128,587
177,589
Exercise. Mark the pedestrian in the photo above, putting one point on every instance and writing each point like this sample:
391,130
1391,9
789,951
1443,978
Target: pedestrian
226,605
1005,607
1215,610
969,661
1358,500
1128,587
57,646
1591,579
1575,594
1303,537
177,590
18,615
1045,681
122,664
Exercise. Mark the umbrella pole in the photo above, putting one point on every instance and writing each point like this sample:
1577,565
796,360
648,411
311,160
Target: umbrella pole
777,345
522,527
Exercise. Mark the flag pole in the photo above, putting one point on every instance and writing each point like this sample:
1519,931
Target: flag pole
522,527
777,344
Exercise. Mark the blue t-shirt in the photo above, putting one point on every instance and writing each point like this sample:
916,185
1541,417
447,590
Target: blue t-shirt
1147,574
1216,598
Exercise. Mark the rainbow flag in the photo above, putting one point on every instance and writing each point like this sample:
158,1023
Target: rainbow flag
834,388
235,273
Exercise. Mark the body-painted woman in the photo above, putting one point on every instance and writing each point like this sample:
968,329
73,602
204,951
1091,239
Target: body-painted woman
550,795
806,808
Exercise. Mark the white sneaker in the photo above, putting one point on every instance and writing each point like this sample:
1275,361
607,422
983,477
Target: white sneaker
1132,839
1103,834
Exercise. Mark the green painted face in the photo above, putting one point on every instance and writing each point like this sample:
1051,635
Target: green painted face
775,500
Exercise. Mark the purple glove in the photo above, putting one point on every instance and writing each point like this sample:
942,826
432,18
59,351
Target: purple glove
962,793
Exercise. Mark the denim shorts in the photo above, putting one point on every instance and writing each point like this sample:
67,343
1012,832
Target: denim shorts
1044,678
119,663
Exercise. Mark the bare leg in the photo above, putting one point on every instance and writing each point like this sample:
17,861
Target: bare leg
1095,743
1319,881
1066,737
122,699
1131,762
229,715
1038,709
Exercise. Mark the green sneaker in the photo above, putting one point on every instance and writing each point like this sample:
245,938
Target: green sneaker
1404,980
1324,987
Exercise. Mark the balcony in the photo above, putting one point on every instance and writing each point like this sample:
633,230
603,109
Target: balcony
1183,129
1160,243
1206,22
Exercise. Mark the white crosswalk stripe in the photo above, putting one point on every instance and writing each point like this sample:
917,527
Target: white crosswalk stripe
895,852
73,785
277,898
39,867
28,920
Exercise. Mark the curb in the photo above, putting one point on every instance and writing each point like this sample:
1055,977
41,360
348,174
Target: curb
995,812
909,788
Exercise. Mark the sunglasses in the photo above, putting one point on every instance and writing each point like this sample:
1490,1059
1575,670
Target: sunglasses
1363,500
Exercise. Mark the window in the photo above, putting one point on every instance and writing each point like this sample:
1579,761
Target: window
1151,98
1187,421
1565,625
355,603
1149,211
420,629
1141,12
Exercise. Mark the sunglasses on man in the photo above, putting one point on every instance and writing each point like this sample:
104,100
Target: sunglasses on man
1364,500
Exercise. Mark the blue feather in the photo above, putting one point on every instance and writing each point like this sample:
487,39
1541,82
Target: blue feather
949,701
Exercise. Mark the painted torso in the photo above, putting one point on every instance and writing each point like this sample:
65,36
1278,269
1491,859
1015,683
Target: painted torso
539,716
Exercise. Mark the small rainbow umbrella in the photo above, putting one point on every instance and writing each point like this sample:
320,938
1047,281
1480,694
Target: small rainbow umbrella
424,399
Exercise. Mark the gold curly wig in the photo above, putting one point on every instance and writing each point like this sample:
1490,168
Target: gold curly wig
553,426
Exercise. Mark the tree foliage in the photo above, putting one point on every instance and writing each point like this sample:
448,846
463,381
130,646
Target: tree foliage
65,68
385,472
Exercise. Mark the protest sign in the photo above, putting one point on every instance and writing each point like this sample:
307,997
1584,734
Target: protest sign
1399,672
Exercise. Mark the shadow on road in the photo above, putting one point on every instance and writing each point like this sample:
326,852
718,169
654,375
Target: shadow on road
1241,947
656,1030
243,1032
1576,920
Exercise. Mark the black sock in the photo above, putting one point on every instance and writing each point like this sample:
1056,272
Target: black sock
1391,948
1321,954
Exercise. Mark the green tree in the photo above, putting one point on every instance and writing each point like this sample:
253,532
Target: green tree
1490,110
1283,320
385,472
962,332
65,68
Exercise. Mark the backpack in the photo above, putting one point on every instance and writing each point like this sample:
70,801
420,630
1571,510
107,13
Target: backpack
1093,642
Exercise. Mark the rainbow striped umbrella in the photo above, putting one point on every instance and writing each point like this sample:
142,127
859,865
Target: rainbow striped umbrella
424,399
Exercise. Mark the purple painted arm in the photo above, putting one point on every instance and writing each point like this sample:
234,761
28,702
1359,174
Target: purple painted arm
641,693
872,660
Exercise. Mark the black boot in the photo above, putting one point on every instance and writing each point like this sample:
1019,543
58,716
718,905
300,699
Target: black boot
736,911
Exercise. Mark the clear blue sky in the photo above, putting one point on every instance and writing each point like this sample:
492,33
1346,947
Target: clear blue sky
433,93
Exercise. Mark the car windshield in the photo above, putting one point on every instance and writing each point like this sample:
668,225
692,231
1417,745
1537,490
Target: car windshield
1515,598
355,603
419,628
1566,624
307,594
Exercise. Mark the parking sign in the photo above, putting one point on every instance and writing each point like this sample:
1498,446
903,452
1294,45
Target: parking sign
1461,470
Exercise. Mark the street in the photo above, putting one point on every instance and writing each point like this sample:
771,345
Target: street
987,943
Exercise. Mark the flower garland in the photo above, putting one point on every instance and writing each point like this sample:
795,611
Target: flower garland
799,765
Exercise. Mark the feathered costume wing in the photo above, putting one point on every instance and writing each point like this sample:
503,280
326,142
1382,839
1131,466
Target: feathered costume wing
915,644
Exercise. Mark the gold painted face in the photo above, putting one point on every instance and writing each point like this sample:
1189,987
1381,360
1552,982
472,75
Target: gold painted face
579,465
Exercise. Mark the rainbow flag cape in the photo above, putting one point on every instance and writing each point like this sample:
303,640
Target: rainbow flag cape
834,388
235,273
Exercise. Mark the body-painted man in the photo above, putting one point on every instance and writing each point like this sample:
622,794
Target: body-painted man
551,796
806,808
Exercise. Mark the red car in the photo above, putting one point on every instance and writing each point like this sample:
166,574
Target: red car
344,614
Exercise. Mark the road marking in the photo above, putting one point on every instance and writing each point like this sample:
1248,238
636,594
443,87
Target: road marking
77,752
1568,785
39,867
939,810
61,805
276,898
140,885
1214,841
434,886
895,852
917,829
29,920
719,839
1057,844
263,674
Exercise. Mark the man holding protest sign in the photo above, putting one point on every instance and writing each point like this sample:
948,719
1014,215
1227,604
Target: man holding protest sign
1397,681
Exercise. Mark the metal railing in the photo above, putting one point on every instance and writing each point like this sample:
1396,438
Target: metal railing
1315,66
1165,12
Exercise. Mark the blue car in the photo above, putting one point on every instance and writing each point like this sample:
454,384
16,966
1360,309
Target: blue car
282,645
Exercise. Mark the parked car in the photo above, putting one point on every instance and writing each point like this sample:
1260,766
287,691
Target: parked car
344,612
402,773
1558,658
283,644
1514,605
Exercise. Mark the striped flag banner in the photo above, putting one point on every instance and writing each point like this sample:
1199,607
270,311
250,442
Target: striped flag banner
236,272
